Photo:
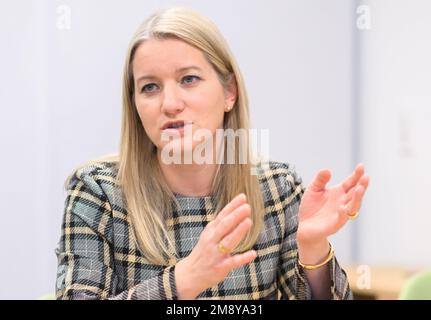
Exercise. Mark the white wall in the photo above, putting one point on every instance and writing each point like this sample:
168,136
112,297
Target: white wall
60,96
395,106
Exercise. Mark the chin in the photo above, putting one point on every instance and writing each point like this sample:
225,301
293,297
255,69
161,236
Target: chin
177,151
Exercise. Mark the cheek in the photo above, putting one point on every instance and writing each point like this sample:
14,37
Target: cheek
209,108
217,114
148,117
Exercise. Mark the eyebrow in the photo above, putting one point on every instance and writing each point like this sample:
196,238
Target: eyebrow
179,70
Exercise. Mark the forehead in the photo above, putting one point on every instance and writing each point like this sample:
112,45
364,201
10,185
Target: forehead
166,56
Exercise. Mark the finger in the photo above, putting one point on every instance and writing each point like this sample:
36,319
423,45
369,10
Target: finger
228,224
230,207
338,220
364,181
354,205
320,181
352,180
232,240
240,259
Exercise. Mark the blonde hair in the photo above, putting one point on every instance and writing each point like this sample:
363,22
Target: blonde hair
147,197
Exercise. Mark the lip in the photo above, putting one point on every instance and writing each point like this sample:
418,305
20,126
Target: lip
168,124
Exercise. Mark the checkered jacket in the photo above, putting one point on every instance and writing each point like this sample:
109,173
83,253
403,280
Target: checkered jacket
98,257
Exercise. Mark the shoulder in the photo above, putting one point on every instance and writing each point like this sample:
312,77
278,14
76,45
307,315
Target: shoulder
282,174
282,191
90,189
281,185
98,177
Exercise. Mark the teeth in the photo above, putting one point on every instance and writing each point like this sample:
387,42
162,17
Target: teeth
177,125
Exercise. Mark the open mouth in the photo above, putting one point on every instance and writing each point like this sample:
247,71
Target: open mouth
175,124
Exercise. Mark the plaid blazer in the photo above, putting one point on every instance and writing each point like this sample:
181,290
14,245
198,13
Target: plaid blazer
98,257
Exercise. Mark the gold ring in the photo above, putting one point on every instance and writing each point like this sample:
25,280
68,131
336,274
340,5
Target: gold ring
353,216
222,248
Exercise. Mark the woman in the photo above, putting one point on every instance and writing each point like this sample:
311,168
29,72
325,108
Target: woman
141,226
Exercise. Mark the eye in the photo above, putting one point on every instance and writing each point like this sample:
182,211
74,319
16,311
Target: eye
151,87
190,79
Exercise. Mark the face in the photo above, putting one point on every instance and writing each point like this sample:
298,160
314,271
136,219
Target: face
177,91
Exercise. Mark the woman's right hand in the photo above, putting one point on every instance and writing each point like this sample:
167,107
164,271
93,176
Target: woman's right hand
206,265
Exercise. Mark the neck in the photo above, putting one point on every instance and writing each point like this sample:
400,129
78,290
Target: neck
194,180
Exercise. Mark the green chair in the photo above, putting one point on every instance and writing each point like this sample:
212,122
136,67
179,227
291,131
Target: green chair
47,297
418,287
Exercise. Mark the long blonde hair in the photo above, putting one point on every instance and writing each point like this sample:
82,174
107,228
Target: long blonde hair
146,195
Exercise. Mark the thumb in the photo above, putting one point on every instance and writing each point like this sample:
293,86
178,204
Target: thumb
320,181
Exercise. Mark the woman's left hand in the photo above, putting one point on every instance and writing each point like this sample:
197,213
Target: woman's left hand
323,211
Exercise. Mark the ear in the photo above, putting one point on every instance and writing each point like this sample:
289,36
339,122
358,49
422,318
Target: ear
231,93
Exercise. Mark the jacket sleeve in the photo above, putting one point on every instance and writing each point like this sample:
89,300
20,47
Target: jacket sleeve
291,278
85,251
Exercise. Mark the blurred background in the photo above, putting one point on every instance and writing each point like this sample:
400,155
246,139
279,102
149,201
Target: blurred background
336,82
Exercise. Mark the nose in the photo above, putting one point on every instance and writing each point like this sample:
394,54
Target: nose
172,102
